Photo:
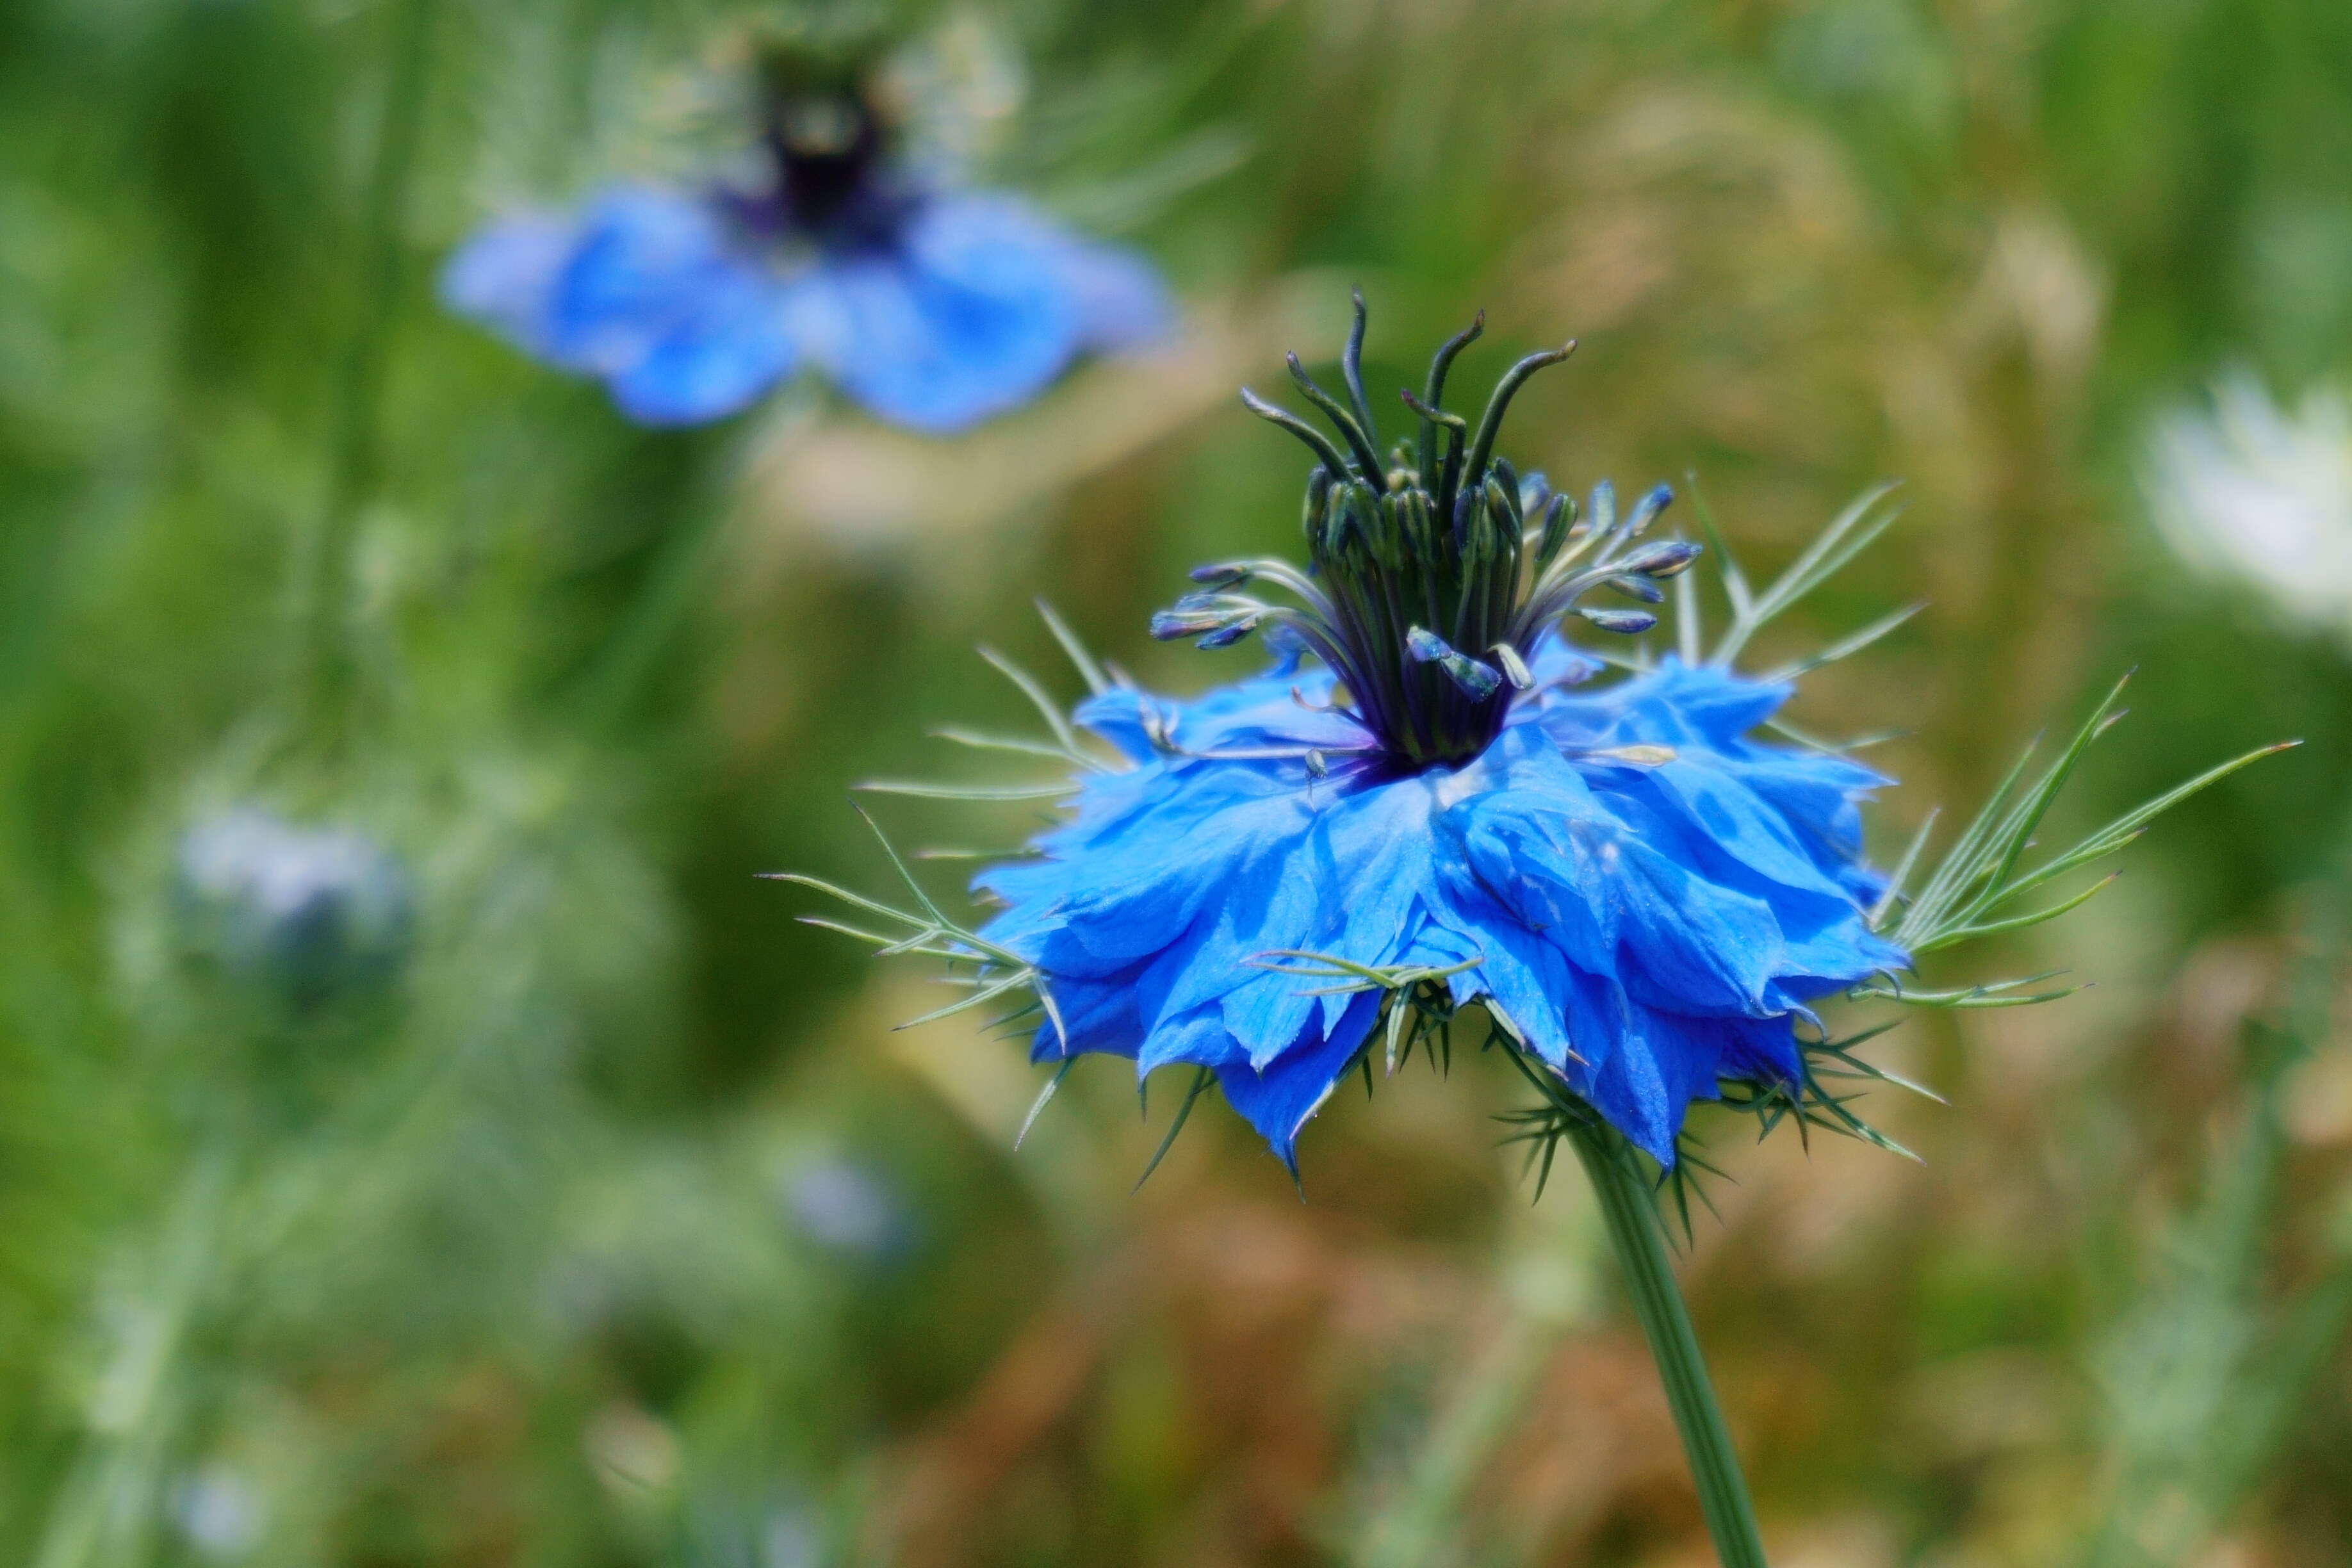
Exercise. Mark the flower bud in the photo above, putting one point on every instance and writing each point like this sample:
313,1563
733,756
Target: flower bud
308,912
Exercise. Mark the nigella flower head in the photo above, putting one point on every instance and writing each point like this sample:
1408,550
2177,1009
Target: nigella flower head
934,307
1451,810
1454,808
1642,894
308,912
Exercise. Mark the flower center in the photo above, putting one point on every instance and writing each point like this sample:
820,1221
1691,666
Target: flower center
1431,574
828,143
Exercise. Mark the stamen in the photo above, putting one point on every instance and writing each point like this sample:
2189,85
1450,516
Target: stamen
1476,679
1558,515
1646,510
1667,558
1514,668
1630,622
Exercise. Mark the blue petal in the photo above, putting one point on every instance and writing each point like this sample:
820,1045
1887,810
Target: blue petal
505,275
967,316
717,355
1559,860
651,290
1644,929
1127,719
1279,1099
1122,304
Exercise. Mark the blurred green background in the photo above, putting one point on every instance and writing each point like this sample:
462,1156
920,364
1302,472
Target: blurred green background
615,1226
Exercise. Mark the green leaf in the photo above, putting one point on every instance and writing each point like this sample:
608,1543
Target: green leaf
1083,662
1848,534
1981,875
1203,1078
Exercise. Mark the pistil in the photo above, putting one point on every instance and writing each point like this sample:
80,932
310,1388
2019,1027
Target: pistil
1431,576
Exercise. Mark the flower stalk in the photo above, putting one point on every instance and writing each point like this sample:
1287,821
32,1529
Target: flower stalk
1635,1234
324,656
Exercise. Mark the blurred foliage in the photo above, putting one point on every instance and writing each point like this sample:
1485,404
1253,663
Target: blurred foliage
615,1227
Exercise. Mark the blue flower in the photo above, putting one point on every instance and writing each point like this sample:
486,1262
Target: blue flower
849,1210
934,308
1641,894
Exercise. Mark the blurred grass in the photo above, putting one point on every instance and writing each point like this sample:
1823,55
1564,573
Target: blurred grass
520,1265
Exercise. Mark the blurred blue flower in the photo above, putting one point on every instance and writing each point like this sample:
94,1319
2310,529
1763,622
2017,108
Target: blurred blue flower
219,1511
934,307
309,912
1643,896
726,1530
848,1209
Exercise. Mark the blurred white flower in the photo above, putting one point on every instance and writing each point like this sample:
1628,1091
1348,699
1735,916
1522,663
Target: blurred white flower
2263,495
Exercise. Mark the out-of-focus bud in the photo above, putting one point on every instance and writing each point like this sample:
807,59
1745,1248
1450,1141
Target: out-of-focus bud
309,912
848,1209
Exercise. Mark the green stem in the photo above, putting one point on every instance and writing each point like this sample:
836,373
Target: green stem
615,679
1633,1220
1417,1526
323,658
108,1503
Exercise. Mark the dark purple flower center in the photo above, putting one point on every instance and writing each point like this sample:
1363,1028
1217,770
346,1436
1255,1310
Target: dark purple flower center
830,147
1431,574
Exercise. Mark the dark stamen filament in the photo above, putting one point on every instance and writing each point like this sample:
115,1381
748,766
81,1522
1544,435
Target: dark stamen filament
1429,577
